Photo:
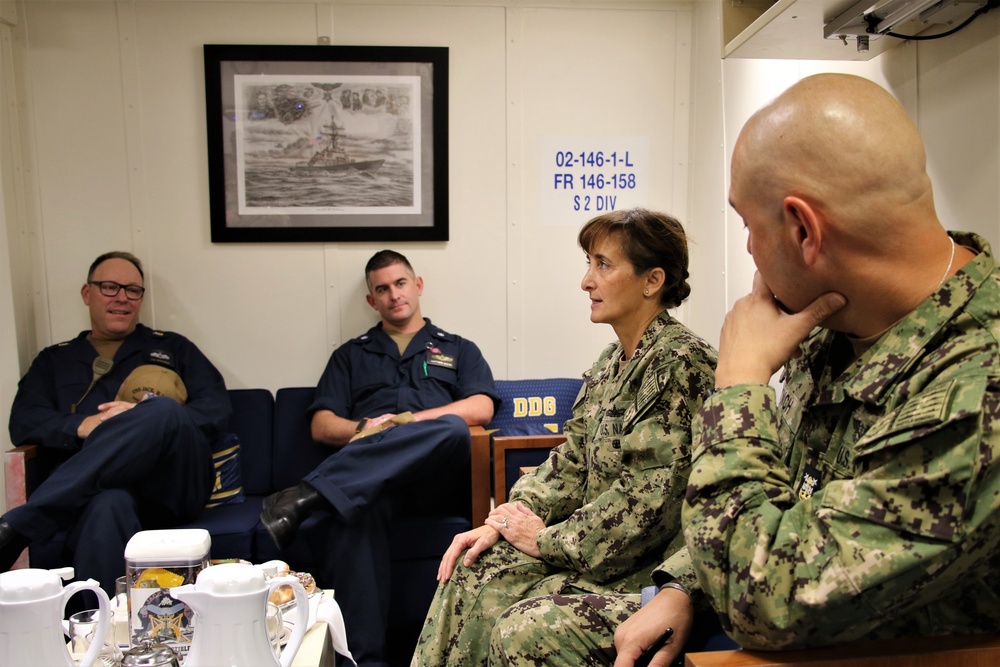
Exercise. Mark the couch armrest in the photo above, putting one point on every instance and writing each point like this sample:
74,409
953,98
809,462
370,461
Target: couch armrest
480,456
954,651
17,464
502,444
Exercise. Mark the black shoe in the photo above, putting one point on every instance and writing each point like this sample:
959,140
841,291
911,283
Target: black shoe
12,543
285,510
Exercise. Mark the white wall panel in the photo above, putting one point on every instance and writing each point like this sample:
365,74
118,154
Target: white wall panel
115,137
257,310
268,314
706,223
464,287
960,123
584,73
80,147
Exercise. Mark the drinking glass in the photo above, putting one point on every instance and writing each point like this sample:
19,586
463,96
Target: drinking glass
121,590
82,626
275,627
119,610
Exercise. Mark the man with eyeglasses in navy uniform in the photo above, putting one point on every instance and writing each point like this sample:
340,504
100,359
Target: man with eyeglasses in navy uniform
127,416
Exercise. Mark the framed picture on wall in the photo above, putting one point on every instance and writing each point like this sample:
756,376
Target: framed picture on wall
327,143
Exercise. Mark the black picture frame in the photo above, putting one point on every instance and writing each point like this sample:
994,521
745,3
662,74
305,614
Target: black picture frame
327,143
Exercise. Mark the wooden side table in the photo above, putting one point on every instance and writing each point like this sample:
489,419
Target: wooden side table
316,649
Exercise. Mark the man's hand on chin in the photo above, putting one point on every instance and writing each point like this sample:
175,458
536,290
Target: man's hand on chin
759,335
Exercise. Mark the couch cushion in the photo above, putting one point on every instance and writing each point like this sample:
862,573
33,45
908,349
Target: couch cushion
228,487
231,527
253,424
534,407
295,452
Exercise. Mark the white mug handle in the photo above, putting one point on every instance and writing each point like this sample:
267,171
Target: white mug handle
90,657
301,616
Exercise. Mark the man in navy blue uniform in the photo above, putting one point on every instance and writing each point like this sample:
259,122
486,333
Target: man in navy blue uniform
127,415
397,402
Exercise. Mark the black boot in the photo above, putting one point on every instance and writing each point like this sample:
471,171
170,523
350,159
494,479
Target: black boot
285,510
12,543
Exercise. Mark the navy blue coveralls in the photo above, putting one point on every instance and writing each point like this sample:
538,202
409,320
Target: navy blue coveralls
364,481
148,467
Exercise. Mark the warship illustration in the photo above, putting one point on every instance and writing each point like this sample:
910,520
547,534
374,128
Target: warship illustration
331,157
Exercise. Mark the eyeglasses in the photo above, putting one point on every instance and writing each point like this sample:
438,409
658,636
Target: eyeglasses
109,288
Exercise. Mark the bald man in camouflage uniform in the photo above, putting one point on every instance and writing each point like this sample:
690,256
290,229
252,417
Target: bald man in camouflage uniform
863,504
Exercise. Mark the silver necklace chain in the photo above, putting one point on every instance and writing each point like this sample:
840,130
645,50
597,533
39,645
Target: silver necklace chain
951,261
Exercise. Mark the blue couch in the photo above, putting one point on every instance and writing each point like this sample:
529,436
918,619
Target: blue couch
277,451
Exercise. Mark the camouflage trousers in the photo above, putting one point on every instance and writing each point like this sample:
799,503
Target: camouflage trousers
560,630
457,629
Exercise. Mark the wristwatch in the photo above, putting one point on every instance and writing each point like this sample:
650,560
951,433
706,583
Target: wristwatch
362,424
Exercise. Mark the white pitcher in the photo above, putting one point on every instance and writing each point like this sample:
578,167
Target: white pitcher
230,628
32,604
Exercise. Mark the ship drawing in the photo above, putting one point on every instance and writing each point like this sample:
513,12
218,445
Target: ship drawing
331,157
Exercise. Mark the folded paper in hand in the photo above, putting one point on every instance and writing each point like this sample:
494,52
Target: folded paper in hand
396,420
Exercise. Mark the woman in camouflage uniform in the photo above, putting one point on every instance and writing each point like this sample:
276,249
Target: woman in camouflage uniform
604,509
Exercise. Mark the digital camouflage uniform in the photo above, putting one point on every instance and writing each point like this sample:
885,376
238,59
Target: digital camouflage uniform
610,496
576,629
865,505
562,630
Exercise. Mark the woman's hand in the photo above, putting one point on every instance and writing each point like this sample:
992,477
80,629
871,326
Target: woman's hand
670,608
519,526
476,541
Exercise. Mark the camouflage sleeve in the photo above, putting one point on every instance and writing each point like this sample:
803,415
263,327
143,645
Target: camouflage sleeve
555,490
787,572
678,567
642,467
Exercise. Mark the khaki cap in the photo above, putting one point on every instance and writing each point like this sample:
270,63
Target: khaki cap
152,379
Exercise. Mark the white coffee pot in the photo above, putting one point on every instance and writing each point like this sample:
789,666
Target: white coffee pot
32,604
230,628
